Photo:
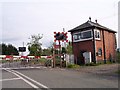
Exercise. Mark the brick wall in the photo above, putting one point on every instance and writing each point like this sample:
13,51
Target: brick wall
109,44
80,47
109,38
87,45
99,44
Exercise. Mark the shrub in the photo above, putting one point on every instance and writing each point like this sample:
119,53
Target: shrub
57,61
91,64
73,66
109,62
48,63
42,60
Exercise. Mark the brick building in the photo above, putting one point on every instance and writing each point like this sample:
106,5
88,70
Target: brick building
92,37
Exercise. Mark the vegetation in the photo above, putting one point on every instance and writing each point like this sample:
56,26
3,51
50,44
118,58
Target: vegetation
34,46
8,49
63,50
73,66
3,61
46,52
92,64
69,48
118,57
42,60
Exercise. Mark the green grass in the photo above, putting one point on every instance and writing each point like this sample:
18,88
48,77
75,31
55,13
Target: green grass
4,61
42,60
92,64
97,64
73,66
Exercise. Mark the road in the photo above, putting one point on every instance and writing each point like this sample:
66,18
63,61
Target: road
41,77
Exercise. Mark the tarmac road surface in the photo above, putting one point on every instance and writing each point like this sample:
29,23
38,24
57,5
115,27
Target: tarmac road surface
40,77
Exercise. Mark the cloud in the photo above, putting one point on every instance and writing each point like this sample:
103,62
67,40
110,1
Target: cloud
21,18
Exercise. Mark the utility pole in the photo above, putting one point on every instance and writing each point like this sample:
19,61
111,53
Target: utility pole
60,54
23,46
53,57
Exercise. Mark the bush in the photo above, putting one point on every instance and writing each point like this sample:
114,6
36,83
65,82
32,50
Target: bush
73,66
109,62
42,60
48,63
92,64
57,61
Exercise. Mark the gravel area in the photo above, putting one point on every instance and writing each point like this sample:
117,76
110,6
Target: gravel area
107,71
106,68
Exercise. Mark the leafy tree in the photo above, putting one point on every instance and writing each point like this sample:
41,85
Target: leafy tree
47,51
4,49
69,48
9,49
12,50
64,50
34,46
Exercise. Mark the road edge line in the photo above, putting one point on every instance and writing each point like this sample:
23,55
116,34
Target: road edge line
40,84
10,79
34,86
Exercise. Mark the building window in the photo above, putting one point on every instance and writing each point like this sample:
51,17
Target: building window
100,52
76,36
97,34
85,35
81,36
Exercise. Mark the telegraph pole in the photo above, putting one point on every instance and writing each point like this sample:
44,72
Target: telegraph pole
23,46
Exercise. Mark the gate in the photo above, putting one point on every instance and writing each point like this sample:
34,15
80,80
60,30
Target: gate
24,61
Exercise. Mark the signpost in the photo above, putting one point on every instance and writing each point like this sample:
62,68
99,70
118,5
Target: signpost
22,49
59,36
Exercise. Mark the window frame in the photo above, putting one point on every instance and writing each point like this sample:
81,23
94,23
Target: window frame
99,51
98,31
81,32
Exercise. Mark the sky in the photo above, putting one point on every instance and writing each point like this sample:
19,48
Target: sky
19,19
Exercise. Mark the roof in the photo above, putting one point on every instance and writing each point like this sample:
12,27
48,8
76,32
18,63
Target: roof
89,24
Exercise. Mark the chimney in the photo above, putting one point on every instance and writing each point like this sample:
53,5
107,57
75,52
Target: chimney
89,18
96,20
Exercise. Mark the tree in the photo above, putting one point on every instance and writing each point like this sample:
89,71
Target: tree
47,52
64,50
69,48
4,49
34,46
9,49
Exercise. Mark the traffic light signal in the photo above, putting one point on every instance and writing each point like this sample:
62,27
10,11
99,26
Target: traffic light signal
60,36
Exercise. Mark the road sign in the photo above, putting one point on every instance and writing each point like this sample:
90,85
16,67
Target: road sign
60,36
22,49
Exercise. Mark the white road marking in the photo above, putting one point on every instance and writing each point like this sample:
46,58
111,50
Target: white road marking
24,68
30,79
10,79
18,74
34,86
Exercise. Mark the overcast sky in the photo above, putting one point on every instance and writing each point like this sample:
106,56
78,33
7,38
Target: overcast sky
19,19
